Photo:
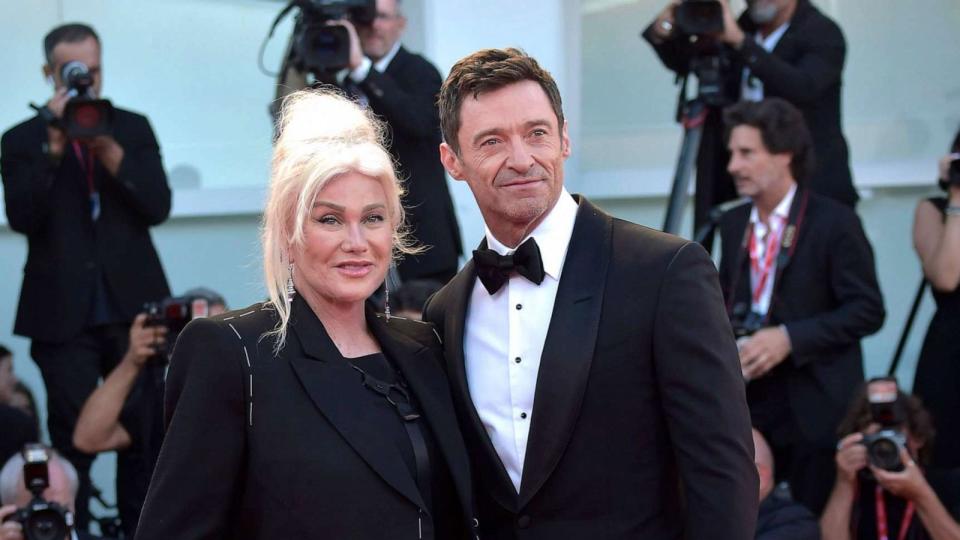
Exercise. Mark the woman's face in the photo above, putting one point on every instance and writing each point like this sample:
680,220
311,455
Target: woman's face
348,241
7,379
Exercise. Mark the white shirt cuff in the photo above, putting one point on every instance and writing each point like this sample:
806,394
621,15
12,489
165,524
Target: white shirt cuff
359,74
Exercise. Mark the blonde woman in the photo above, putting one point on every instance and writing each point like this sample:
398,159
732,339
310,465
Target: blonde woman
308,416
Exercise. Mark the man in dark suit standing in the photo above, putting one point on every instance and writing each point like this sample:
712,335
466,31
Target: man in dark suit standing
86,207
402,87
777,48
801,291
592,366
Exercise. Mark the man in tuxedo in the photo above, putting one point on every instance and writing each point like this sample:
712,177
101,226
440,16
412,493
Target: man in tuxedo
801,291
86,208
401,87
592,366
777,48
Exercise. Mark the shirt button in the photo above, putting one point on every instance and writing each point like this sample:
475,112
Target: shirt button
519,306
523,415
517,359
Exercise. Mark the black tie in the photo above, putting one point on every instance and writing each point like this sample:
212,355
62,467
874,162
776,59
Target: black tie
494,269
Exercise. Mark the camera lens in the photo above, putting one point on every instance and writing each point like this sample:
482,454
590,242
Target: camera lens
885,454
46,524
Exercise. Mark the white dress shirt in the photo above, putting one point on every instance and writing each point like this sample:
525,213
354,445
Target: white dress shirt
752,90
504,337
358,75
776,222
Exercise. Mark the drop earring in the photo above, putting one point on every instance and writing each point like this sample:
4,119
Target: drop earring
290,290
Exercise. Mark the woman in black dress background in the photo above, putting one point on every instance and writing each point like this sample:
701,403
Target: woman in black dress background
309,416
936,238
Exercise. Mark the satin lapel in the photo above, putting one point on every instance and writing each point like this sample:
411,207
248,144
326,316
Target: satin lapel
500,486
569,346
336,391
424,375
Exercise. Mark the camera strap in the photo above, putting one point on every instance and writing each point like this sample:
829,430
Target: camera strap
87,166
882,525
787,241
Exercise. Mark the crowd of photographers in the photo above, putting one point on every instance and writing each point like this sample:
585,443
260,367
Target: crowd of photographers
837,458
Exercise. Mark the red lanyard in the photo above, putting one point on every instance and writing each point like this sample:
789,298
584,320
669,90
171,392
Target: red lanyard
762,274
86,163
882,533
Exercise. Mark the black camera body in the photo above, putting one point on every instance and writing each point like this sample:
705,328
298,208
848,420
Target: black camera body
173,314
699,17
319,47
40,519
887,409
953,173
84,116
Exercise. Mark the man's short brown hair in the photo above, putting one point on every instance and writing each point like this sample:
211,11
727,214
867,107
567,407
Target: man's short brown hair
484,71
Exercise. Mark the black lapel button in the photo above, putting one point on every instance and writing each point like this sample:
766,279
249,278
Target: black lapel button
523,522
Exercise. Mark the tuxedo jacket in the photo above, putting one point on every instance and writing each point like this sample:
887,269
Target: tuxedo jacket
805,68
827,297
639,427
405,95
265,446
67,249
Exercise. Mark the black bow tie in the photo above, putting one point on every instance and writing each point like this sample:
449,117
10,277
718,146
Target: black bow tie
494,269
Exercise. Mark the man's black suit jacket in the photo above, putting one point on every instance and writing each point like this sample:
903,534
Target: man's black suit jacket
265,446
827,297
405,95
68,250
640,427
805,68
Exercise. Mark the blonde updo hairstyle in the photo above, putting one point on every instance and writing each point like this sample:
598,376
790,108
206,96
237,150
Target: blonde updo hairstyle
322,135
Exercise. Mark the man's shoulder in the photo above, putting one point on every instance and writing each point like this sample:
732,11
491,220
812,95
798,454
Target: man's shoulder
31,127
406,60
422,332
825,212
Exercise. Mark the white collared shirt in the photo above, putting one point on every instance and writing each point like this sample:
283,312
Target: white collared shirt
775,225
753,90
504,336
381,65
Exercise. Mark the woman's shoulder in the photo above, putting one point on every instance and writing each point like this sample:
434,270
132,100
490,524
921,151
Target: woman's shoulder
422,332
248,323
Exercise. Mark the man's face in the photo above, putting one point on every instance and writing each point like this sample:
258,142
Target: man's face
378,37
58,491
511,153
86,51
766,11
754,169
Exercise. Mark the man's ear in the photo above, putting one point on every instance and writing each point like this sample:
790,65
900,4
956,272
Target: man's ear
565,140
451,161
48,73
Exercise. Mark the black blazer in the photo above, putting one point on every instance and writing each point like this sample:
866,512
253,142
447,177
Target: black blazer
805,68
639,401
267,447
828,299
67,250
405,95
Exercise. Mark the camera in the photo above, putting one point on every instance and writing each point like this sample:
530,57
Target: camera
745,322
883,449
699,17
173,314
953,173
40,519
84,116
318,47
886,409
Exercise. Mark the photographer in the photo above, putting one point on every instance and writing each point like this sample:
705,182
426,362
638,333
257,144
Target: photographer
777,48
86,207
936,238
401,88
801,290
62,489
867,499
125,413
